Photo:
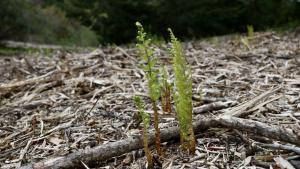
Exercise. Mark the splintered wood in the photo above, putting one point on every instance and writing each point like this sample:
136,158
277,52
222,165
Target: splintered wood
75,110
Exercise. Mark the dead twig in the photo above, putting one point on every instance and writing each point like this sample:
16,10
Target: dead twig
291,148
213,106
242,110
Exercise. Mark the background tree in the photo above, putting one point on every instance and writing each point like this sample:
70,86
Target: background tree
113,20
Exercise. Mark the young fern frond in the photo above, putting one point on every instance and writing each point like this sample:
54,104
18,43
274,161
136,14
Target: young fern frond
166,91
146,121
250,35
149,60
250,31
245,42
183,94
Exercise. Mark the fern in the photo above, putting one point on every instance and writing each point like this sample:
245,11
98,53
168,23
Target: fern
146,121
245,42
149,60
166,91
250,35
250,31
183,94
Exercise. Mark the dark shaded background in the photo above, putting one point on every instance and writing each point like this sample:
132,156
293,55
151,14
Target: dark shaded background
89,22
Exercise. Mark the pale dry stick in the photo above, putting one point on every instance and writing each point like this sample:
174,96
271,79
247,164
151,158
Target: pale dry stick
39,89
61,126
207,151
208,99
242,110
169,164
94,54
61,115
81,139
101,91
198,157
47,86
291,114
262,68
285,114
16,44
282,163
291,148
30,67
85,166
183,166
34,104
126,54
39,79
133,88
47,149
92,68
29,106
294,160
9,129
23,152
294,118
23,71
88,79
11,136
41,138
96,92
94,105
115,67
264,103
42,126
262,164
213,106
128,126
215,159
259,128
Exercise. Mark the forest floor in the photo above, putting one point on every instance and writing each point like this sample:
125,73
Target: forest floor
246,96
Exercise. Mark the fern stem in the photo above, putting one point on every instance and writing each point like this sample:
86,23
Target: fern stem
148,57
146,121
157,130
146,148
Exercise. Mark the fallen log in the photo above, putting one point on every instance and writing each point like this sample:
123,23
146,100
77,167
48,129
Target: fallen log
104,152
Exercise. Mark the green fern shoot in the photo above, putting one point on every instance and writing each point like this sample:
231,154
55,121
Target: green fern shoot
183,94
146,121
250,31
149,61
166,91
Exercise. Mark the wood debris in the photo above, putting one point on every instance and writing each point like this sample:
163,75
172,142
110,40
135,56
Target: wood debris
78,106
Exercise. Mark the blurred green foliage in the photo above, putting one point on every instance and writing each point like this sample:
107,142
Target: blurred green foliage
23,20
113,20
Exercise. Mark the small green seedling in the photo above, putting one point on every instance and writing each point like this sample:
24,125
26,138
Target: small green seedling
250,31
250,34
146,121
183,94
148,58
245,42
